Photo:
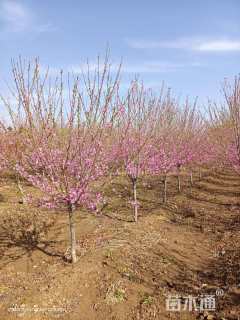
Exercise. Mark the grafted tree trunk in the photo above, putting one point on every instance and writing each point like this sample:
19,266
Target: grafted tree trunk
71,210
200,174
179,178
20,188
179,183
165,189
134,182
191,181
191,178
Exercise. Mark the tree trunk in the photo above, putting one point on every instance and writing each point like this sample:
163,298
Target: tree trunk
191,179
135,199
165,190
72,233
179,178
179,183
20,188
200,174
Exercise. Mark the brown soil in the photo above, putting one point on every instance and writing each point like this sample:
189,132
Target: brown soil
126,270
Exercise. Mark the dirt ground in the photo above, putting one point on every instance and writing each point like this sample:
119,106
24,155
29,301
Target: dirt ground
187,249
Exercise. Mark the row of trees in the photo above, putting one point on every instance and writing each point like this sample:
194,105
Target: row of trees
224,124
64,136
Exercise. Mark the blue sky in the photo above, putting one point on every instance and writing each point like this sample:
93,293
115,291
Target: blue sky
191,45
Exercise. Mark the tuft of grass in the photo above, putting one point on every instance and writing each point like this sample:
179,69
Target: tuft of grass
109,254
126,272
147,299
115,293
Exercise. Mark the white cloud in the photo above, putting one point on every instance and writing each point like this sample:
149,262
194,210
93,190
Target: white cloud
47,27
16,17
224,45
135,68
194,44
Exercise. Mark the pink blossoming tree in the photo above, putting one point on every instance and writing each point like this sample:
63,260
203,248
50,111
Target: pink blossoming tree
64,154
232,97
132,143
